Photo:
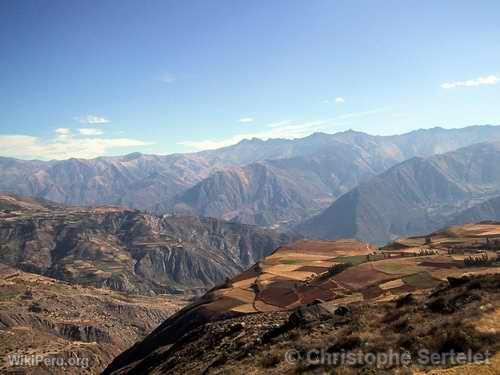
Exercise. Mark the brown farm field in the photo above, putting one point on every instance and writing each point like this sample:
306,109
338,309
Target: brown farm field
330,271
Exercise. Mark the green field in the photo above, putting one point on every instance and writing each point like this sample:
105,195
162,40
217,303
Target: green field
353,260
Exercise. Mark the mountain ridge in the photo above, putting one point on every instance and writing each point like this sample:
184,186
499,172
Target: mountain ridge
154,181
328,167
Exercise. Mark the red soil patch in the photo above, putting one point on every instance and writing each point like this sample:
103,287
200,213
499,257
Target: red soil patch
317,293
372,292
362,276
278,296
328,284
283,284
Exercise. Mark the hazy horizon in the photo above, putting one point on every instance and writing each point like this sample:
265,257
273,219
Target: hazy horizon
250,139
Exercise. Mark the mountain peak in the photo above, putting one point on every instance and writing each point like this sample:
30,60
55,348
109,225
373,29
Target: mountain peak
132,156
251,140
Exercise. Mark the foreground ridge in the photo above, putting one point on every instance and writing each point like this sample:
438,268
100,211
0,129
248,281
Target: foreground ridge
319,292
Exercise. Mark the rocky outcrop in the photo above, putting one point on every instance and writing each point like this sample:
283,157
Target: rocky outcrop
84,333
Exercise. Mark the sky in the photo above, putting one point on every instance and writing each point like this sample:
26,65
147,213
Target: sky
93,78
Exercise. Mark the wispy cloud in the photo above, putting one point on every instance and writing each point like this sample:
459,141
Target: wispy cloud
62,131
90,131
486,80
63,146
246,120
168,78
92,120
279,124
337,100
282,129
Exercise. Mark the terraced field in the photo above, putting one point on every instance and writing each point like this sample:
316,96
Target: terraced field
338,272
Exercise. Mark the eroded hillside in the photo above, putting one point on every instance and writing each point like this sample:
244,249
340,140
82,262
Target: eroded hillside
41,316
127,250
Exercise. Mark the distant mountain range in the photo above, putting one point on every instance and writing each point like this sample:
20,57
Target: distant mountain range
416,196
276,183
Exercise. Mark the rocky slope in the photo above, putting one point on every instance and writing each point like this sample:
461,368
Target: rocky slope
259,193
322,167
84,326
338,297
414,197
128,250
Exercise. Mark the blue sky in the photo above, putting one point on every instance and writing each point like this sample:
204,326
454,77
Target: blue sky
90,78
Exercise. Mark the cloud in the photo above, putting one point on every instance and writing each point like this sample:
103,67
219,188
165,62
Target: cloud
92,120
90,131
246,120
337,100
63,146
279,124
487,80
63,131
282,129
168,78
